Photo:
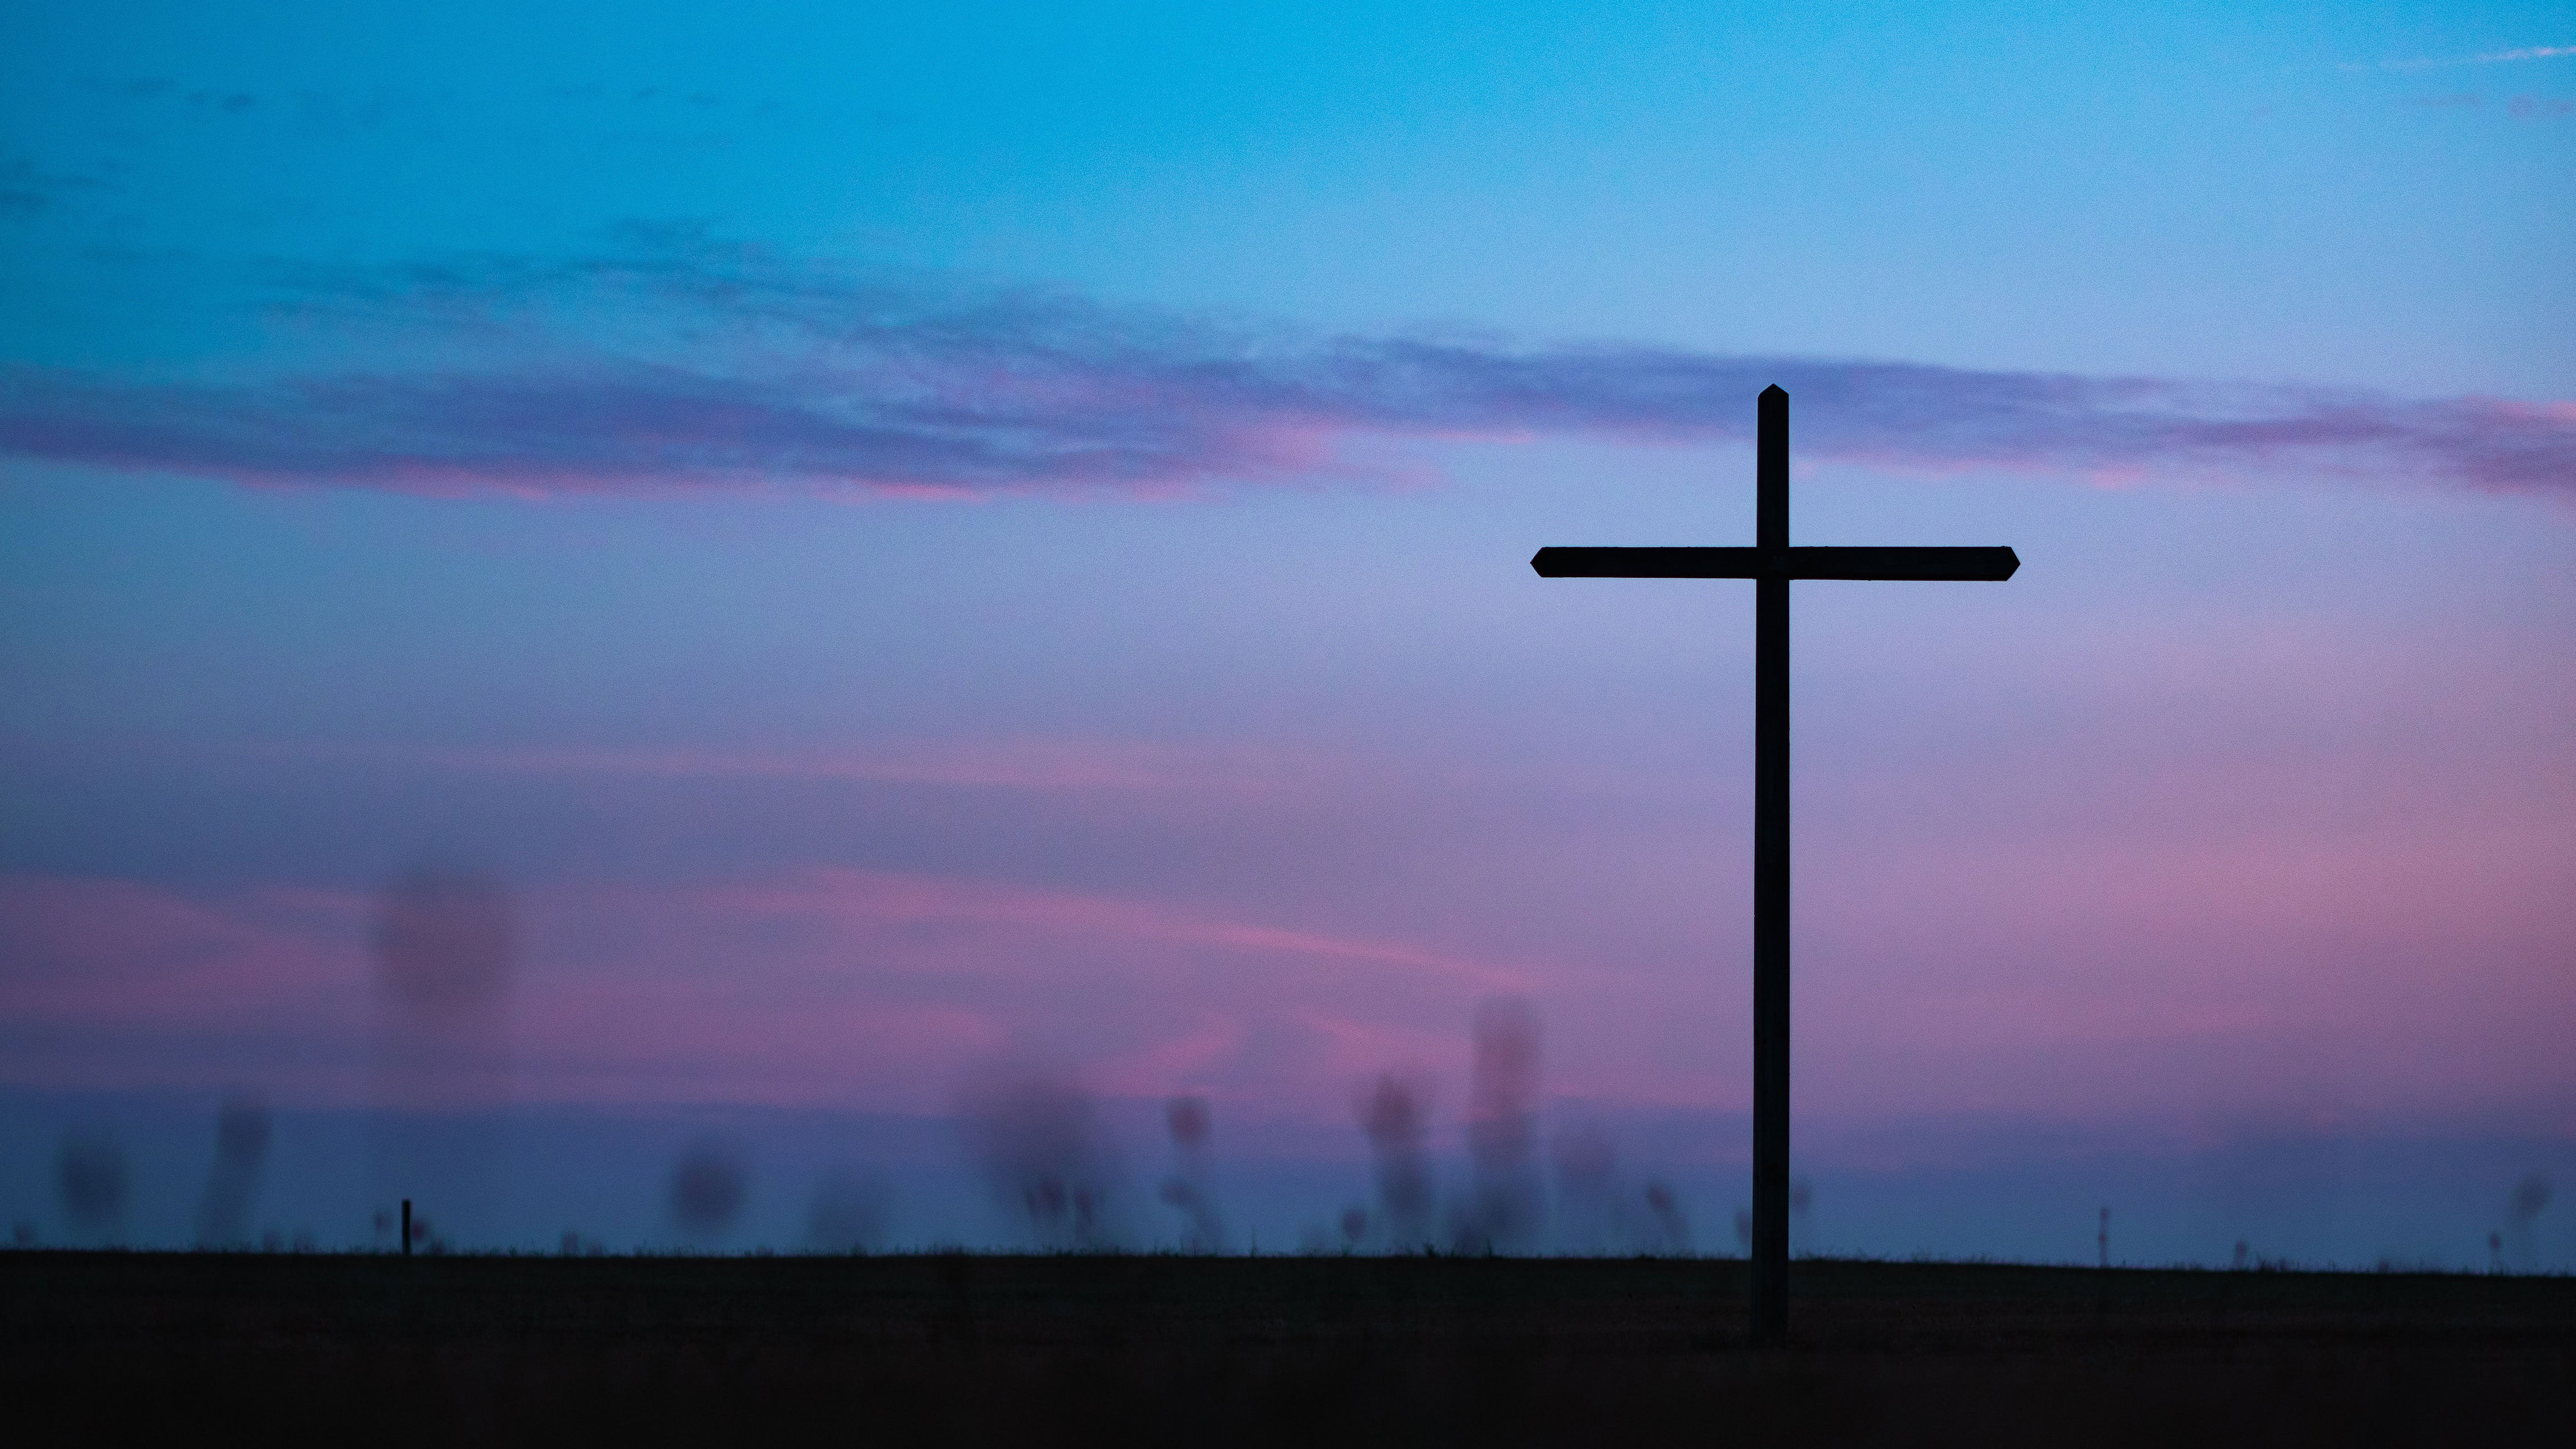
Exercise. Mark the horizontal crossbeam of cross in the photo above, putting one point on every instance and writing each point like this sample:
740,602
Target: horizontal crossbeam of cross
1992,565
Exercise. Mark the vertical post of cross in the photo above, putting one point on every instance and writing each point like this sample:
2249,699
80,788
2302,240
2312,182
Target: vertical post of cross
406,1227
1770,1246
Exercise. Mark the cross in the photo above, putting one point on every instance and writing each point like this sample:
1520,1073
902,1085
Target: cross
1771,563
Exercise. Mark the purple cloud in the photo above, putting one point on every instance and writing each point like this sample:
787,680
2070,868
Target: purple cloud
727,370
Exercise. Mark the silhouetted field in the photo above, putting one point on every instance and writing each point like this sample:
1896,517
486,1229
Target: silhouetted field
1487,1351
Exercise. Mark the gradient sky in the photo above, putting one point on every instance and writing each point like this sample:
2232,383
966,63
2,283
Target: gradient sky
916,536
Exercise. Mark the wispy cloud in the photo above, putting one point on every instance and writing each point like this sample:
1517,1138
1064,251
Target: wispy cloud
28,190
997,764
2493,57
703,367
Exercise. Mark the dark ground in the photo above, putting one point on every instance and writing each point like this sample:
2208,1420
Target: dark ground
964,1349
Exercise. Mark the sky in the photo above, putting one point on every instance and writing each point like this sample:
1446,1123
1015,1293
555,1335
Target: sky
919,567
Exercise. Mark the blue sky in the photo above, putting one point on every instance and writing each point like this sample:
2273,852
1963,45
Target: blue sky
2220,191
1001,533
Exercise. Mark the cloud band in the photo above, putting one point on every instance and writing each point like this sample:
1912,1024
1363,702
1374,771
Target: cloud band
743,376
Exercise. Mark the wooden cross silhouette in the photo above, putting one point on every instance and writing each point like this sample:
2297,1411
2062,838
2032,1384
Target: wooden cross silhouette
1771,563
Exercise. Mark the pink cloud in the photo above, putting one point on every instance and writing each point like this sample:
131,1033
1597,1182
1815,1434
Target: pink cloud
834,983
115,984
2110,919
84,949
2412,961
865,900
828,985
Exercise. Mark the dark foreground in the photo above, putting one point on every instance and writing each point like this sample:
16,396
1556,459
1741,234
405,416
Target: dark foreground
958,1349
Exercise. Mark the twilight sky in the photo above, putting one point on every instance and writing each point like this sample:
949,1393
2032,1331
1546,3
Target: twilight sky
918,537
